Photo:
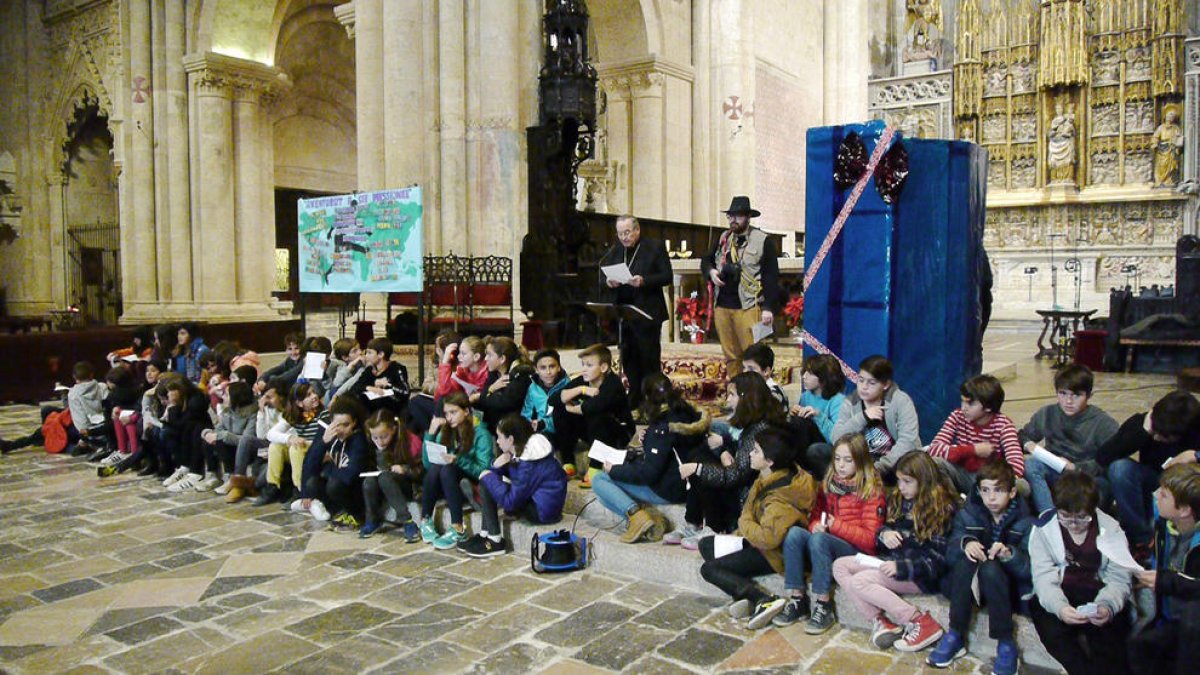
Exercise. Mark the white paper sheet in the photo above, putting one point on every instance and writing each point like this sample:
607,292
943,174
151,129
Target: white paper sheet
759,331
314,366
371,396
606,453
724,544
126,415
467,386
130,358
369,474
868,560
436,452
1123,558
95,419
1049,458
619,273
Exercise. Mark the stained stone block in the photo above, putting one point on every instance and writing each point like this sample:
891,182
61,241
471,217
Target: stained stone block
502,592
421,591
767,649
17,603
655,666
518,658
157,550
350,588
200,613
341,622
67,590
258,655
618,649
839,660
288,545
223,585
436,657
501,628
414,564
128,573
181,560
267,616
580,627
144,630
568,596
427,624
677,613
358,561
117,618
346,658
241,600
701,647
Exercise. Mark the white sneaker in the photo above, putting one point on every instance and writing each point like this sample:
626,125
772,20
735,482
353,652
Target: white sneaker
208,484
187,483
175,477
223,489
299,507
318,510
115,458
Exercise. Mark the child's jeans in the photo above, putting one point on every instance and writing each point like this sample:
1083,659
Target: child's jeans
820,549
873,591
995,590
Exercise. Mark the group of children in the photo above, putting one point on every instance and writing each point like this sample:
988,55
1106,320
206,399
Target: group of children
836,488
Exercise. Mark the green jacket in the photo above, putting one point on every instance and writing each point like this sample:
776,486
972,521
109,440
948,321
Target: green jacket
474,461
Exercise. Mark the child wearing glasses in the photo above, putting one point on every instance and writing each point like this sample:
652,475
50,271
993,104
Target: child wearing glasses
1081,590
1065,436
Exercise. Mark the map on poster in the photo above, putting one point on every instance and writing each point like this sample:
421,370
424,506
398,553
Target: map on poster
365,242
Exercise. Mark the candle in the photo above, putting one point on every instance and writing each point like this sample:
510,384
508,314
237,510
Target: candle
668,246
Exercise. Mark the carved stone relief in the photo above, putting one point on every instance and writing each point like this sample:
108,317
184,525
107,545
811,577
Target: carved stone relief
1105,120
1024,128
1105,168
996,177
1106,68
1022,77
1024,172
1139,64
993,129
994,82
1139,117
1151,269
1139,167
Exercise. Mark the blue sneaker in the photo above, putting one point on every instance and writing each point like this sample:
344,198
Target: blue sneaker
449,539
1007,658
428,531
412,534
367,530
948,649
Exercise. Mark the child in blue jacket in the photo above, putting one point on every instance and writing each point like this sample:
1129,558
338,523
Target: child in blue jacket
525,479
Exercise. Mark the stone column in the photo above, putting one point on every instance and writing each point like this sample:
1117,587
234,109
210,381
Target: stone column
56,187
1191,130
617,92
176,281
732,63
213,245
254,260
452,130
138,248
496,193
403,72
369,92
704,199
647,171
847,62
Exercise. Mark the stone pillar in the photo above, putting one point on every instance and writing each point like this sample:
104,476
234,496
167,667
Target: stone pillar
214,248
847,62
138,248
56,187
369,92
253,260
732,67
647,171
176,282
496,191
1191,130
452,129
403,72
617,92
704,121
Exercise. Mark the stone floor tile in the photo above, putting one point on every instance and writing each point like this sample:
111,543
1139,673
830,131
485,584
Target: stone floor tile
803,642
240,600
116,618
676,613
340,623
703,648
34,560
18,584
142,631
79,569
415,564
840,660
502,592
571,667
619,648
129,573
160,592
17,603
643,595
47,626
435,657
204,568
490,568
256,564
306,578
223,585
421,591
256,655
349,588
200,613
158,549
57,659
179,560
67,590
570,595
496,631
652,665
267,616
350,657
358,561
8,654
517,658
427,624
583,625
336,541
178,528
768,649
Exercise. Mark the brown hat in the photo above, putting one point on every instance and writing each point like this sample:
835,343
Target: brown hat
740,205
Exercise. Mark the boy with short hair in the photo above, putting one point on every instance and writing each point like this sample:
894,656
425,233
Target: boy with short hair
1169,433
989,542
1072,430
85,400
1081,591
976,433
591,407
1172,643
549,379
383,382
760,358
289,369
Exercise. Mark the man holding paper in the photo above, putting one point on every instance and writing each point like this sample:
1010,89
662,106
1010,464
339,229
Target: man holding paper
636,271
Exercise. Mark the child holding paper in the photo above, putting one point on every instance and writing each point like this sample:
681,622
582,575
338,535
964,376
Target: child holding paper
123,401
1172,642
303,420
469,375
592,407
398,460
976,433
468,451
782,496
1064,436
525,479
988,550
632,488
881,412
912,546
221,442
848,512
1081,592
85,400
384,384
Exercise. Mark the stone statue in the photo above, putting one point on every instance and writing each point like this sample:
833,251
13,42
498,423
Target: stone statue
1061,155
924,39
1168,146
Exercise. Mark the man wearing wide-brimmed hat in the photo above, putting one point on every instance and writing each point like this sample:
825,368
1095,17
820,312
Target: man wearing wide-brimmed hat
743,269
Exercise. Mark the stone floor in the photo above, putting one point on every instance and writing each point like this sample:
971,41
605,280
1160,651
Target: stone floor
120,576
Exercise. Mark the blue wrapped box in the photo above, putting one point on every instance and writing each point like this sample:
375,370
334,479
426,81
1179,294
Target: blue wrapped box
902,279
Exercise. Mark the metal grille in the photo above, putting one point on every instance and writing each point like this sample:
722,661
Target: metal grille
94,271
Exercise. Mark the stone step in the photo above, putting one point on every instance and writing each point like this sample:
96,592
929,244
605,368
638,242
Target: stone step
680,568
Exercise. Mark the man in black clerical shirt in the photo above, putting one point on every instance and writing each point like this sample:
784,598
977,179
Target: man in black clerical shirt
641,349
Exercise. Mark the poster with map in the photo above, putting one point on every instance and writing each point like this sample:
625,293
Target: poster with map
365,242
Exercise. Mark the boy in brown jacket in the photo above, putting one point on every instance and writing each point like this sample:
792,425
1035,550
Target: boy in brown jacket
781,497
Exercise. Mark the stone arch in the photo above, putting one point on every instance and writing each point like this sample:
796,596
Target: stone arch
625,29
83,83
241,28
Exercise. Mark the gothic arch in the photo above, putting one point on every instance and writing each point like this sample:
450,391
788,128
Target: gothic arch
78,92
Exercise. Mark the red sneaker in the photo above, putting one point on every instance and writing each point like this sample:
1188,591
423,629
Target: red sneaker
884,633
919,634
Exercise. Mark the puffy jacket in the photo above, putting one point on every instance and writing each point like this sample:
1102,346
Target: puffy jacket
535,476
658,465
343,460
855,520
537,398
1048,562
446,383
474,461
974,522
510,399
774,504
1174,587
739,476
918,561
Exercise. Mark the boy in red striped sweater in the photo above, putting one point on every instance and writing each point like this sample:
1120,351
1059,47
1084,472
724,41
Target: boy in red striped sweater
977,433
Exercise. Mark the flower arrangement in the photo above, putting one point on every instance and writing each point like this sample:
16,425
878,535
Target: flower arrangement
692,316
793,312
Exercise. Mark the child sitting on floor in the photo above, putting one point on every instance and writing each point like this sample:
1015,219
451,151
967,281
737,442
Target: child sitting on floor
760,358
549,379
821,401
882,413
975,433
912,545
468,452
508,380
592,407
526,479
988,547
398,460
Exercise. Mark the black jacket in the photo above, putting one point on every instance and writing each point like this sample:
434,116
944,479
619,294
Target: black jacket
649,261
1132,437
508,400
657,466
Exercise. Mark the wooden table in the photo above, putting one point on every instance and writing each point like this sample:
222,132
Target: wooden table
1061,324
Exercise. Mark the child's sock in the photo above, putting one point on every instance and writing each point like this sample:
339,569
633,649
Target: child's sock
494,537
